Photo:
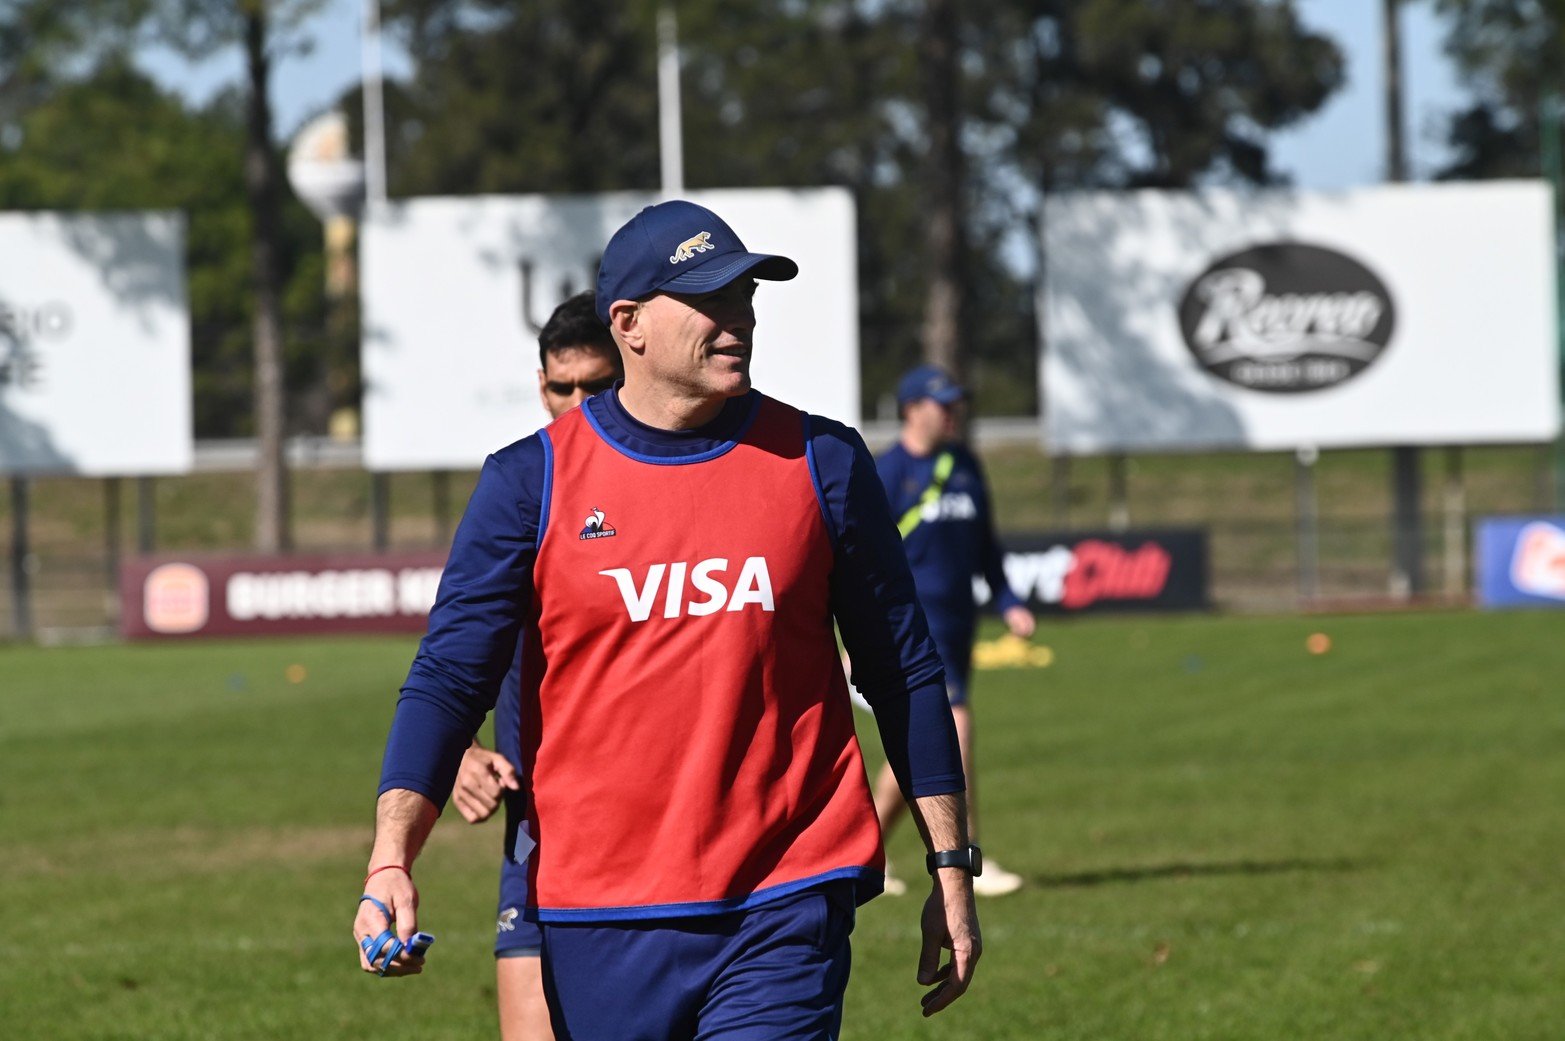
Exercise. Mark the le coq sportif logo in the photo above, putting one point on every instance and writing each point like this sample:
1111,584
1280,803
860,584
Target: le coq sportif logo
1286,318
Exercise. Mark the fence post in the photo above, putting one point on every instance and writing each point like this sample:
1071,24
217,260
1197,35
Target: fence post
1455,502
1551,109
146,515
1060,491
440,495
111,544
1407,523
380,511
21,584
1307,521
1119,493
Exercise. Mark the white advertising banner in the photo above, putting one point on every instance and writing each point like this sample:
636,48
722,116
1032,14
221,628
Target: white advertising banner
455,290
94,344
1400,315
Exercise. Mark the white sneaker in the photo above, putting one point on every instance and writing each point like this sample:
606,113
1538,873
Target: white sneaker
996,881
894,885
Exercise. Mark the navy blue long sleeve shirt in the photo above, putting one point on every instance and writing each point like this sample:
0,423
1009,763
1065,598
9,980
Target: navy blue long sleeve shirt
486,591
954,540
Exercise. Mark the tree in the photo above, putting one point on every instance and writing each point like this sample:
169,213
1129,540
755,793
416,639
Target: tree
73,110
1511,53
1197,84
1111,94
1049,94
199,28
34,37
550,96
1053,94
945,330
824,92
257,27
55,154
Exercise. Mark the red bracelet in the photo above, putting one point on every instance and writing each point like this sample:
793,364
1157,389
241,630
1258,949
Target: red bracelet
389,867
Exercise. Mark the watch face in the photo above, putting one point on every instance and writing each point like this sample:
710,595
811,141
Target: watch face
978,860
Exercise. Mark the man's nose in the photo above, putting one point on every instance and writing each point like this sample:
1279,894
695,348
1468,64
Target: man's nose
739,316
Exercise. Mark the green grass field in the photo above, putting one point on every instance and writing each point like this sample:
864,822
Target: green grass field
1226,837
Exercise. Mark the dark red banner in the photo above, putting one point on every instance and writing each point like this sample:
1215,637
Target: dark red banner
175,597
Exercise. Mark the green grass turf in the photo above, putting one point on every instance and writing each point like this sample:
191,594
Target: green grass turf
1225,837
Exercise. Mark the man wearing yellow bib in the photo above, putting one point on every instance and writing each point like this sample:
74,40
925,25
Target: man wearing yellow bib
940,499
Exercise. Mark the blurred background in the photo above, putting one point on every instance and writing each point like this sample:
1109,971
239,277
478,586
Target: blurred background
1259,304
947,126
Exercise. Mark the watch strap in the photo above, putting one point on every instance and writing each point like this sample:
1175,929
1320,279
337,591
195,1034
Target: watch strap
969,858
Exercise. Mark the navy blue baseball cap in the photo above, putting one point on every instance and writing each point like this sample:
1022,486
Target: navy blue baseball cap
679,247
929,381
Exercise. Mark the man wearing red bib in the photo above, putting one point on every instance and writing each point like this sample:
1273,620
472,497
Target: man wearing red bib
670,558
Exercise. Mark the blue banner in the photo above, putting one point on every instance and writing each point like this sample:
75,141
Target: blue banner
1521,562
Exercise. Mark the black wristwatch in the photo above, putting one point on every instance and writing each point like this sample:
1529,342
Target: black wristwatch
970,859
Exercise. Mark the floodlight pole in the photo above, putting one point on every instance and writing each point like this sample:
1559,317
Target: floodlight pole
375,193
374,104
1391,39
671,148
1407,537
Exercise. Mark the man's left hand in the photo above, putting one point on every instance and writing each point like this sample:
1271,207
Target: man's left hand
480,782
950,922
1020,621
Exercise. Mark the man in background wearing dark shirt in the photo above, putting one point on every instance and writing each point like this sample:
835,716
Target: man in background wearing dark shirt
940,500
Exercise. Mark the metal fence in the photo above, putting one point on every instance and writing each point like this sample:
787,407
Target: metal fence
1283,537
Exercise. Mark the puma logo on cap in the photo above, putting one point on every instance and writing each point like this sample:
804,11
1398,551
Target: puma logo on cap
691,246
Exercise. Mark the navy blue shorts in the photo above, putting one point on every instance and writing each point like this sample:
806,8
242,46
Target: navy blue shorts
955,646
773,973
514,938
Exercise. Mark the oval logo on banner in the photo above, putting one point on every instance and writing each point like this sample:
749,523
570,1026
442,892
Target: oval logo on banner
1286,318
176,599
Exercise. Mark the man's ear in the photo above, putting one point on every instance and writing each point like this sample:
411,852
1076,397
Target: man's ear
625,324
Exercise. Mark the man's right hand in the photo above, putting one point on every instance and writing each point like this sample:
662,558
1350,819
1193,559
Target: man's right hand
1020,622
483,776
403,819
394,888
950,922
